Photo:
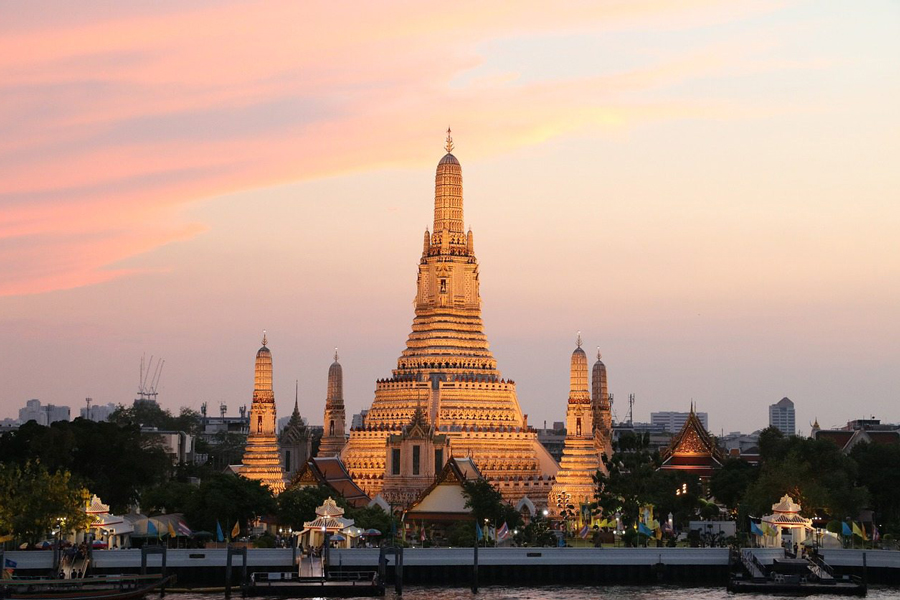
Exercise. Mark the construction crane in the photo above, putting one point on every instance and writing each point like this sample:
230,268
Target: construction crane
148,384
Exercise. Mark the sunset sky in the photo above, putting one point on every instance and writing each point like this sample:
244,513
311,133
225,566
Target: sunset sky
706,190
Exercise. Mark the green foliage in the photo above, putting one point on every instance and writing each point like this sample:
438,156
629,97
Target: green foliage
227,449
149,414
462,534
487,502
115,462
815,473
228,498
370,517
34,501
879,472
266,540
729,484
835,526
537,533
169,497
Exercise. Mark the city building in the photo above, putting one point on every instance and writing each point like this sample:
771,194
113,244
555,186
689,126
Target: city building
554,440
177,444
447,368
334,438
213,429
659,436
96,412
672,421
42,414
359,419
262,460
781,416
693,450
574,485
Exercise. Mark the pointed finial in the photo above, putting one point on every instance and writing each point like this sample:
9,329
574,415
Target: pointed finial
599,356
265,341
335,355
578,339
449,145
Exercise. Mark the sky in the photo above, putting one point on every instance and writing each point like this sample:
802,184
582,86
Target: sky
708,191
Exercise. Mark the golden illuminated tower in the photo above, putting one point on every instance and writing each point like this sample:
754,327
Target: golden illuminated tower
333,438
580,460
261,458
602,408
447,368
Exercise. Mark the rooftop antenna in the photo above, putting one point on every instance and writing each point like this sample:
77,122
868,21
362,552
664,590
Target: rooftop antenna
148,384
630,409
223,408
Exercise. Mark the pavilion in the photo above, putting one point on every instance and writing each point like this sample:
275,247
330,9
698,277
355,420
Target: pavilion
329,522
786,516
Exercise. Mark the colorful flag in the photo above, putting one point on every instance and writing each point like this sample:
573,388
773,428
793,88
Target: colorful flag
858,531
421,532
171,529
644,530
845,529
584,531
755,530
875,533
503,533
603,523
219,535
183,529
865,535
236,530
479,534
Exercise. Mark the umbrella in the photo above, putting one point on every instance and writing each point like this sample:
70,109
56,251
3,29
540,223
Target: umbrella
372,531
337,538
99,544
44,545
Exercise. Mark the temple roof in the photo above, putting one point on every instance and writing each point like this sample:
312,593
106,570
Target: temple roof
449,159
330,472
693,448
434,505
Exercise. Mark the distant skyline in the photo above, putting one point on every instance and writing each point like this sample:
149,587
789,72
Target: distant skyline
707,191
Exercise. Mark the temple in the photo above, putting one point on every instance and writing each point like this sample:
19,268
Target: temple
581,457
447,371
693,450
333,438
262,461
295,441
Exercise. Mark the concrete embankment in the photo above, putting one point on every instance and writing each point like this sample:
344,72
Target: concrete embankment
454,566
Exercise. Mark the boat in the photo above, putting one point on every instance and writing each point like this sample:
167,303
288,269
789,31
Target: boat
112,587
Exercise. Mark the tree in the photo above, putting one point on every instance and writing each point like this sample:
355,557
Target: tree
228,498
169,497
34,501
114,461
487,502
730,483
879,472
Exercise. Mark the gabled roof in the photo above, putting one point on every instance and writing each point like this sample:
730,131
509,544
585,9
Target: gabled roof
693,448
329,471
846,439
454,474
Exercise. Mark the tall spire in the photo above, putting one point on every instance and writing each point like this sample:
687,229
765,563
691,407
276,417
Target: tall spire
297,397
265,341
578,375
448,200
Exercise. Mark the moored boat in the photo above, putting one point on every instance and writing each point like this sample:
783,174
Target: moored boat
113,587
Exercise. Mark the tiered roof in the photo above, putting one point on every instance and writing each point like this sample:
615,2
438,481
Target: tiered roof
693,449
330,472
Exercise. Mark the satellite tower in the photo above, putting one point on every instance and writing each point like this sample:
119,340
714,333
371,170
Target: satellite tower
148,383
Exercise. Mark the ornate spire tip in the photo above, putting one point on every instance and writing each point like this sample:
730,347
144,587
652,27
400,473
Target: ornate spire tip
599,356
578,339
335,355
449,145
265,340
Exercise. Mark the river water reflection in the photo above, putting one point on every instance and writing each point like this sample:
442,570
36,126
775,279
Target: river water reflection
569,593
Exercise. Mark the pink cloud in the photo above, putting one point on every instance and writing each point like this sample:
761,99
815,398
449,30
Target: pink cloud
117,122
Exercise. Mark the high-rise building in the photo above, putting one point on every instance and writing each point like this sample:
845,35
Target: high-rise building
96,412
43,415
448,370
574,484
781,416
261,458
333,439
672,421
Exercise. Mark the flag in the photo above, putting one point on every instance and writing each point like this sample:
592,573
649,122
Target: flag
171,529
236,530
220,537
151,529
479,535
11,564
643,529
183,529
603,523
421,532
865,536
583,533
875,534
845,529
503,533
857,531
755,530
